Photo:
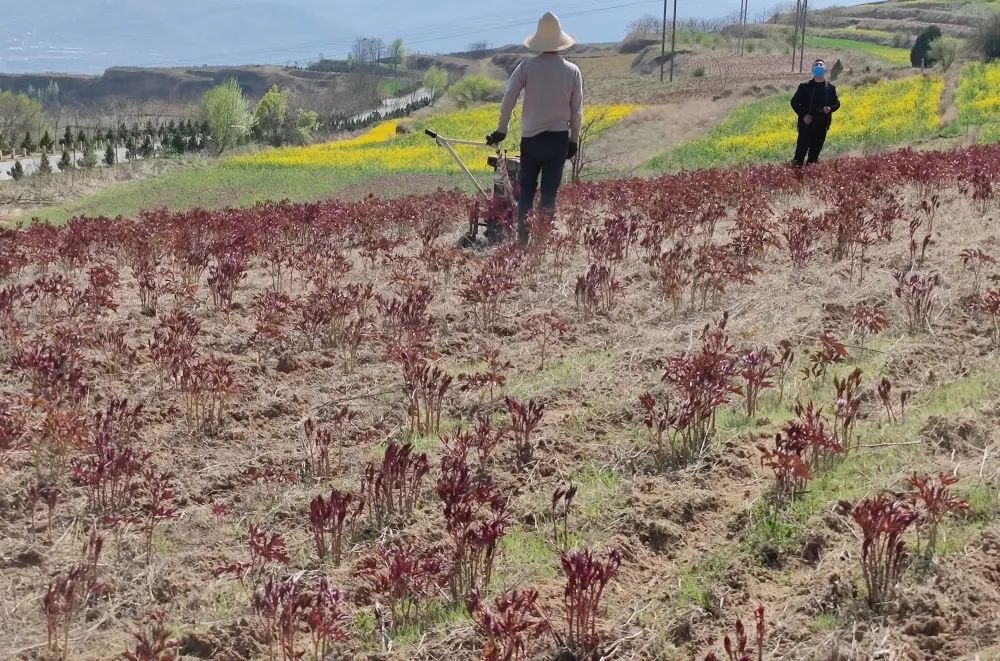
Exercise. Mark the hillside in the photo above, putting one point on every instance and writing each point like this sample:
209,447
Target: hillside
173,85
957,18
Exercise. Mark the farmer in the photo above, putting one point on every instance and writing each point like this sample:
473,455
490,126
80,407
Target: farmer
550,120
814,102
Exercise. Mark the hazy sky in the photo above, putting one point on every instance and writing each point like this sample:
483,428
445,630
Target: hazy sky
90,35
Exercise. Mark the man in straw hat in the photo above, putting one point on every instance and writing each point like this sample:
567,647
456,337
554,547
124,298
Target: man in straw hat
550,120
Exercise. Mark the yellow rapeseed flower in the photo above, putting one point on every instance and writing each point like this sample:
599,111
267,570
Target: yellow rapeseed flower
978,96
880,114
382,149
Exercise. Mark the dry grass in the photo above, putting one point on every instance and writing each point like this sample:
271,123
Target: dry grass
693,538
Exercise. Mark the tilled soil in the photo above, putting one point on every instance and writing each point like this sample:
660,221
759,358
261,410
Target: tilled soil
696,552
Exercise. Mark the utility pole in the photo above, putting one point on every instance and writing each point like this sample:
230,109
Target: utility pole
795,34
741,37
673,42
802,48
663,39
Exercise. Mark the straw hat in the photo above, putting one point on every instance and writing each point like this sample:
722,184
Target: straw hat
549,36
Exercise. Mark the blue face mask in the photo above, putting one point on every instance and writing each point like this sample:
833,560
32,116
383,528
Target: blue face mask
819,71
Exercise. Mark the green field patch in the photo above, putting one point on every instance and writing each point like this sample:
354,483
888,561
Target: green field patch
892,55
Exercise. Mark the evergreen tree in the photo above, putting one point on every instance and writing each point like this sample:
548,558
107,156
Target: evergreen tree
109,155
68,138
45,166
149,128
89,159
109,136
46,142
28,145
178,143
920,54
192,143
130,150
81,138
17,172
65,163
205,129
171,126
146,148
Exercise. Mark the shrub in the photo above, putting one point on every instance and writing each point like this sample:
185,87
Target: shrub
944,50
392,487
883,525
286,608
475,89
153,642
936,502
586,578
476,519
512,627
403,576
739,650
698,72
332,517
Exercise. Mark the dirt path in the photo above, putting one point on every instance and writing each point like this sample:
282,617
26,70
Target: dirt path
655,129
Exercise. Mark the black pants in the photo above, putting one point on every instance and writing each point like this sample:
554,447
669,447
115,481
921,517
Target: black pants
810,143
543,154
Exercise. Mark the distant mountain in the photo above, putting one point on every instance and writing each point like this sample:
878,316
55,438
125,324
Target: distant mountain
88,36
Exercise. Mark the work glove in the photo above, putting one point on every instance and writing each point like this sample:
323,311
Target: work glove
495,138
571,151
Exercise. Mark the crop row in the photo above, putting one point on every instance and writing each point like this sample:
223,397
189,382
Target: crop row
978,98
882,114
361,279
382,149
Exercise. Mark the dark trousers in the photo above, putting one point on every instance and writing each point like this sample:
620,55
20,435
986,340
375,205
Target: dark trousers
810,143
543,154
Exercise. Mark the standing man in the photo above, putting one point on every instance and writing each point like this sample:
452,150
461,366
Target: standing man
814,102
550,120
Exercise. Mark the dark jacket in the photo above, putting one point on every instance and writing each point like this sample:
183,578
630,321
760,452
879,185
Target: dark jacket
811,98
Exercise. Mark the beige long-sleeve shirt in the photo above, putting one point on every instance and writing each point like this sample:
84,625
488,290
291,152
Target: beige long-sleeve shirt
553,96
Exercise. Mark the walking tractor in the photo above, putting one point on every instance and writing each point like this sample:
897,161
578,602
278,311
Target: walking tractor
494,212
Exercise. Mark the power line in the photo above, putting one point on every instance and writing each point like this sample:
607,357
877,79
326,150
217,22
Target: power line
417,36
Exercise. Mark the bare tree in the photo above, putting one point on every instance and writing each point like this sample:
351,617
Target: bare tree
584,158
479,46
366,54
644,25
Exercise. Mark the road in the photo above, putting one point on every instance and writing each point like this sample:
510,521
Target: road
398,103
